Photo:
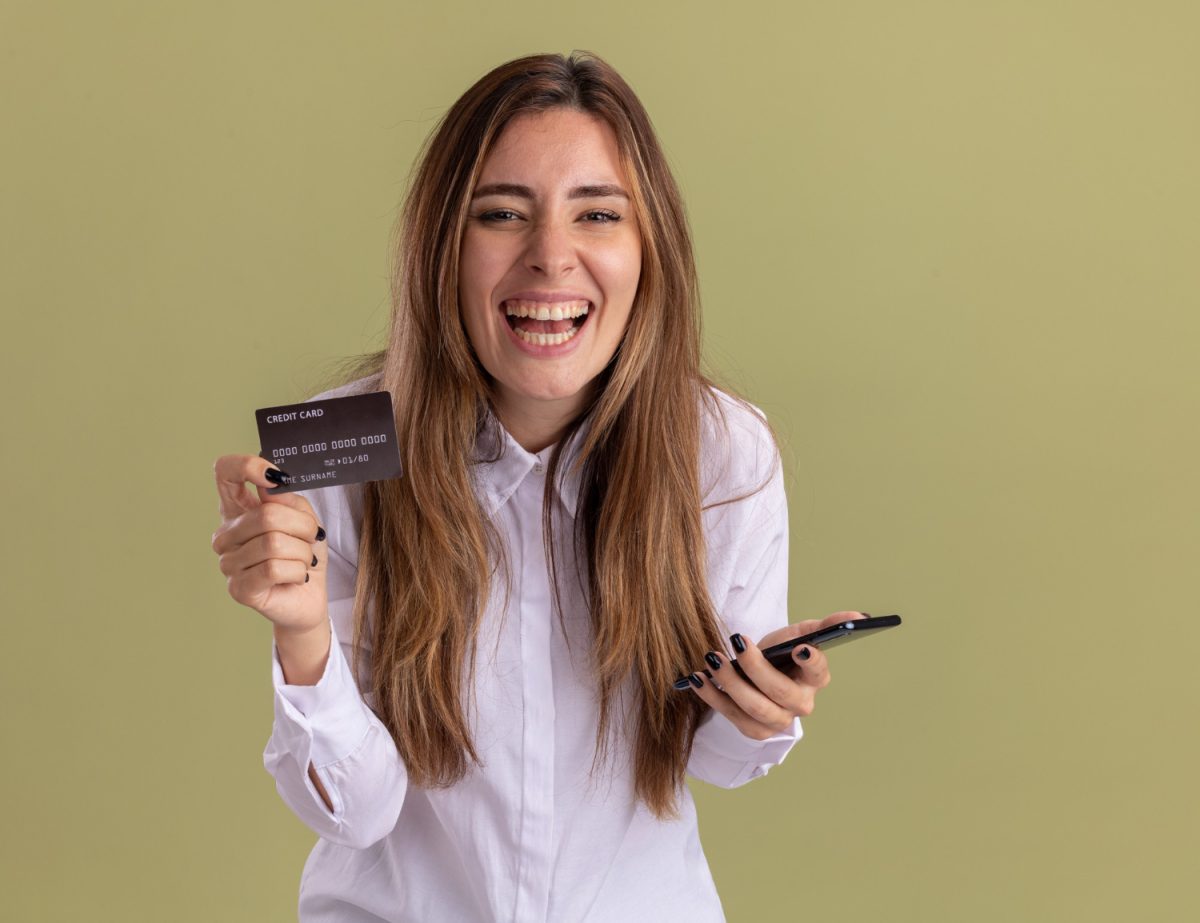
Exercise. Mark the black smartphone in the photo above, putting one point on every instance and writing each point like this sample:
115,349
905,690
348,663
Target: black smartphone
780,655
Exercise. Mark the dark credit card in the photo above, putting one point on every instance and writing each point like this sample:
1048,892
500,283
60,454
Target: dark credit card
340,440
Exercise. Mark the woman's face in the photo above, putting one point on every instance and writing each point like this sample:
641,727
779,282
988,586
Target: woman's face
550,230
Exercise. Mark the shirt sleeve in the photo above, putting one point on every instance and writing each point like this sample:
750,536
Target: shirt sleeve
755,605
330,726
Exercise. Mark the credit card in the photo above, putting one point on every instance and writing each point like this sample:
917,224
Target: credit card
339,440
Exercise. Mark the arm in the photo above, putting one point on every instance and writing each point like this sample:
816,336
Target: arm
756,603
334,762
303,660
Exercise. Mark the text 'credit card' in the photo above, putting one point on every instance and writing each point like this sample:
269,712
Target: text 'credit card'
339,440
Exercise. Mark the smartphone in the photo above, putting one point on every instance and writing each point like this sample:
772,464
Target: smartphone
780,655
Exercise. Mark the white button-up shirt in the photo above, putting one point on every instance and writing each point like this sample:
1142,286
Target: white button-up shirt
527,837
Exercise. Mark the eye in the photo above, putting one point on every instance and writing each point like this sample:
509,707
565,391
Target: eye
504,215
495,215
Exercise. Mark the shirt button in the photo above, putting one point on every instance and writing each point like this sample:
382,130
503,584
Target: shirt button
538,467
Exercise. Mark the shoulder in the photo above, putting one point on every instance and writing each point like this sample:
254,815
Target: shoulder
358,386
738,453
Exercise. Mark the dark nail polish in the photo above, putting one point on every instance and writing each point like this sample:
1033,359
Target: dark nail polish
306,578
738,644
805,653
867,614
314,563
706,673
713,660
696,680
320,534
276,475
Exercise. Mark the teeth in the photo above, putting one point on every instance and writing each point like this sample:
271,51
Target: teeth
547,339
541,310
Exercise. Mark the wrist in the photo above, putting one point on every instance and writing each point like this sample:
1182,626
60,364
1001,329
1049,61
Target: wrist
303,654
290,634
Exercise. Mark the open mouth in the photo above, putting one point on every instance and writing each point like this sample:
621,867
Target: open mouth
544,324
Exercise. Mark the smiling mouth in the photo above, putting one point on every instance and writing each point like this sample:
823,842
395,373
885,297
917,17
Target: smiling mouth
545,323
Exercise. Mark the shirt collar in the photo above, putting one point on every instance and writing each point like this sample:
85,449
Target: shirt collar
500,479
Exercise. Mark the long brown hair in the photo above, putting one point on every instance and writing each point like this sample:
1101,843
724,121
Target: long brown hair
427,548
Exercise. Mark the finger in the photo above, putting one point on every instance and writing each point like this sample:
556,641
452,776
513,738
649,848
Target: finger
806,627
269,545
721,702
787,637
231,473
253,585
761,708
777,685
839,617
812,667
288,513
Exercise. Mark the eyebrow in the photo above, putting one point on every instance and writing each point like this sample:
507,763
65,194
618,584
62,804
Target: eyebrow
598,191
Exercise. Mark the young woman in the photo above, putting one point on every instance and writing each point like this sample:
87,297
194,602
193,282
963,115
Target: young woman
473,663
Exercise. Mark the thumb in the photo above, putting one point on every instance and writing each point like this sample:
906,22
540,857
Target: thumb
294,499
288,498
231,473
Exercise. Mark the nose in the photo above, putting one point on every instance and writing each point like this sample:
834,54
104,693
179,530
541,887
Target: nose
550,249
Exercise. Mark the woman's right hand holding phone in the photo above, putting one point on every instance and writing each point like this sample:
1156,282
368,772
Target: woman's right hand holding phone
272,553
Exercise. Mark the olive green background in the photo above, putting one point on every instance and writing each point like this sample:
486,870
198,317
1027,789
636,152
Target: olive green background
949,247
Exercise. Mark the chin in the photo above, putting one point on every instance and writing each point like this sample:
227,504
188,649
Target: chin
549,393
542,384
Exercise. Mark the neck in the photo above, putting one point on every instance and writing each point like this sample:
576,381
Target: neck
536,424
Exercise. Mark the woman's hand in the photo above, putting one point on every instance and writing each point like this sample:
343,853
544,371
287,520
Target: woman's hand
271,547
766,705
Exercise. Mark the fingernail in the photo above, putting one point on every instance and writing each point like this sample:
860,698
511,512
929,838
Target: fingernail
276,475
706,673
805,653
713,660
314,563
696,680
320,533
867,614
306,578
738,644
